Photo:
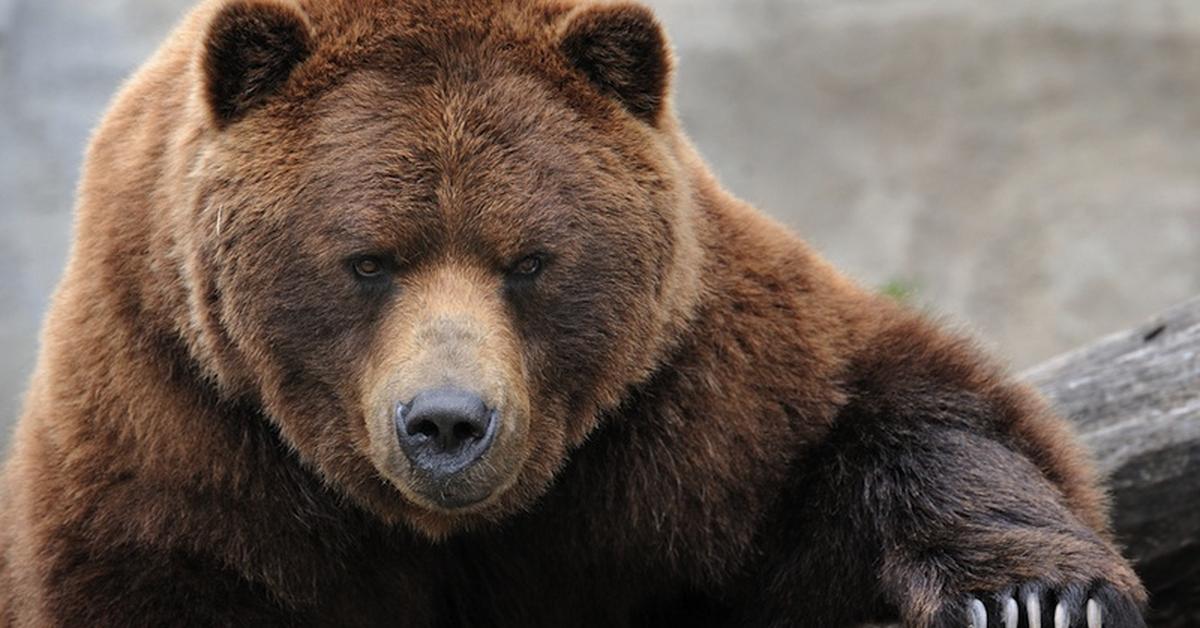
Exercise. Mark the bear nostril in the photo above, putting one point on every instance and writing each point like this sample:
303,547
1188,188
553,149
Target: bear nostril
466,431
424,428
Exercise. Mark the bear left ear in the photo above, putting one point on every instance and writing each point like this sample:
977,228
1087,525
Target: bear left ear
623,51
251,48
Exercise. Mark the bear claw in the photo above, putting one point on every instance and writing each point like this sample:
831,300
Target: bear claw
978,614
1012,614
1095,613
1033,610
1073,607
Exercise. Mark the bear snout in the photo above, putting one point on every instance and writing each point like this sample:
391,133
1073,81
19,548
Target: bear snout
444,431
447,397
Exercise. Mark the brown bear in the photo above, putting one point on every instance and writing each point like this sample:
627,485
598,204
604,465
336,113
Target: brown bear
426,313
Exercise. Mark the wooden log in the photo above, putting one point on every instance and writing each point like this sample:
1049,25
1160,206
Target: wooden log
1135,400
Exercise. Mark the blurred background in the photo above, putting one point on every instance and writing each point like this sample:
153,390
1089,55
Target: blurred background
1028,168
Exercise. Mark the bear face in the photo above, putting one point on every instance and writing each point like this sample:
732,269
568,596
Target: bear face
425,258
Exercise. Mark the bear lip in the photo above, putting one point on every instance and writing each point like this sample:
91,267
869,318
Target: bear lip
451,502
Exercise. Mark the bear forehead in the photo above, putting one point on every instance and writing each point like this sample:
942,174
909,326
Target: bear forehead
416,112
482,133
494,163
384,153
488,46
347,25
430,40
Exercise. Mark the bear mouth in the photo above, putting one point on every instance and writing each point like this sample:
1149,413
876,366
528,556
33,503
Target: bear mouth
458,492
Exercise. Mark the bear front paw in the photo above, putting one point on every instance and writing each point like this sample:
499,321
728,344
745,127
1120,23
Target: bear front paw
1038,606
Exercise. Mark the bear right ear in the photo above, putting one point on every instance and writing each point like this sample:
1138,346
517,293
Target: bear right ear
622,50
251,48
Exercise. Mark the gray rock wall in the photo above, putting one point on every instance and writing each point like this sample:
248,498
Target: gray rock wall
1030,168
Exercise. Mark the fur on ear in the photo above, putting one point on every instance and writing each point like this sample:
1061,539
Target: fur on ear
251,48
623,51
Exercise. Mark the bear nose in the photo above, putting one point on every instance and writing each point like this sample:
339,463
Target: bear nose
445,430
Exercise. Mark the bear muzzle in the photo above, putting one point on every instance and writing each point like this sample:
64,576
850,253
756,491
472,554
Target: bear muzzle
447,395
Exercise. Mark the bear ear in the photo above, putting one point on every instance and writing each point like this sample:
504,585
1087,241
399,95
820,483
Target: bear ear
251,48
623,51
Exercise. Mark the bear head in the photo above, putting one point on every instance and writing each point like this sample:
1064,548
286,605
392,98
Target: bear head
435,241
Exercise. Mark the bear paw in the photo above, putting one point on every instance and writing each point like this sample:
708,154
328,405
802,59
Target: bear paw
1038,606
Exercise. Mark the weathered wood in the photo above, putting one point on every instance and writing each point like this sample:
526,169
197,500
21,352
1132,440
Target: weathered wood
1135,399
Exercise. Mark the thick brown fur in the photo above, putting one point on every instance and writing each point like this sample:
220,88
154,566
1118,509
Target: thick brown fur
703,423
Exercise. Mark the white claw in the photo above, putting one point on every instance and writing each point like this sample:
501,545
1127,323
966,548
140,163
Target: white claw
1095,614
978,614
1012,614
1062,618
1033,610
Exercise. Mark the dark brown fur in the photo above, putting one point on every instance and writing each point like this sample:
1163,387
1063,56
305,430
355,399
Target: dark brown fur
706,424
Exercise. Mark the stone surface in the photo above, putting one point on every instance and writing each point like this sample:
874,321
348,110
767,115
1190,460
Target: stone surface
1029,168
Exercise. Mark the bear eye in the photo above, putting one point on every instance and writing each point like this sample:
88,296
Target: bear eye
368,267
528,266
